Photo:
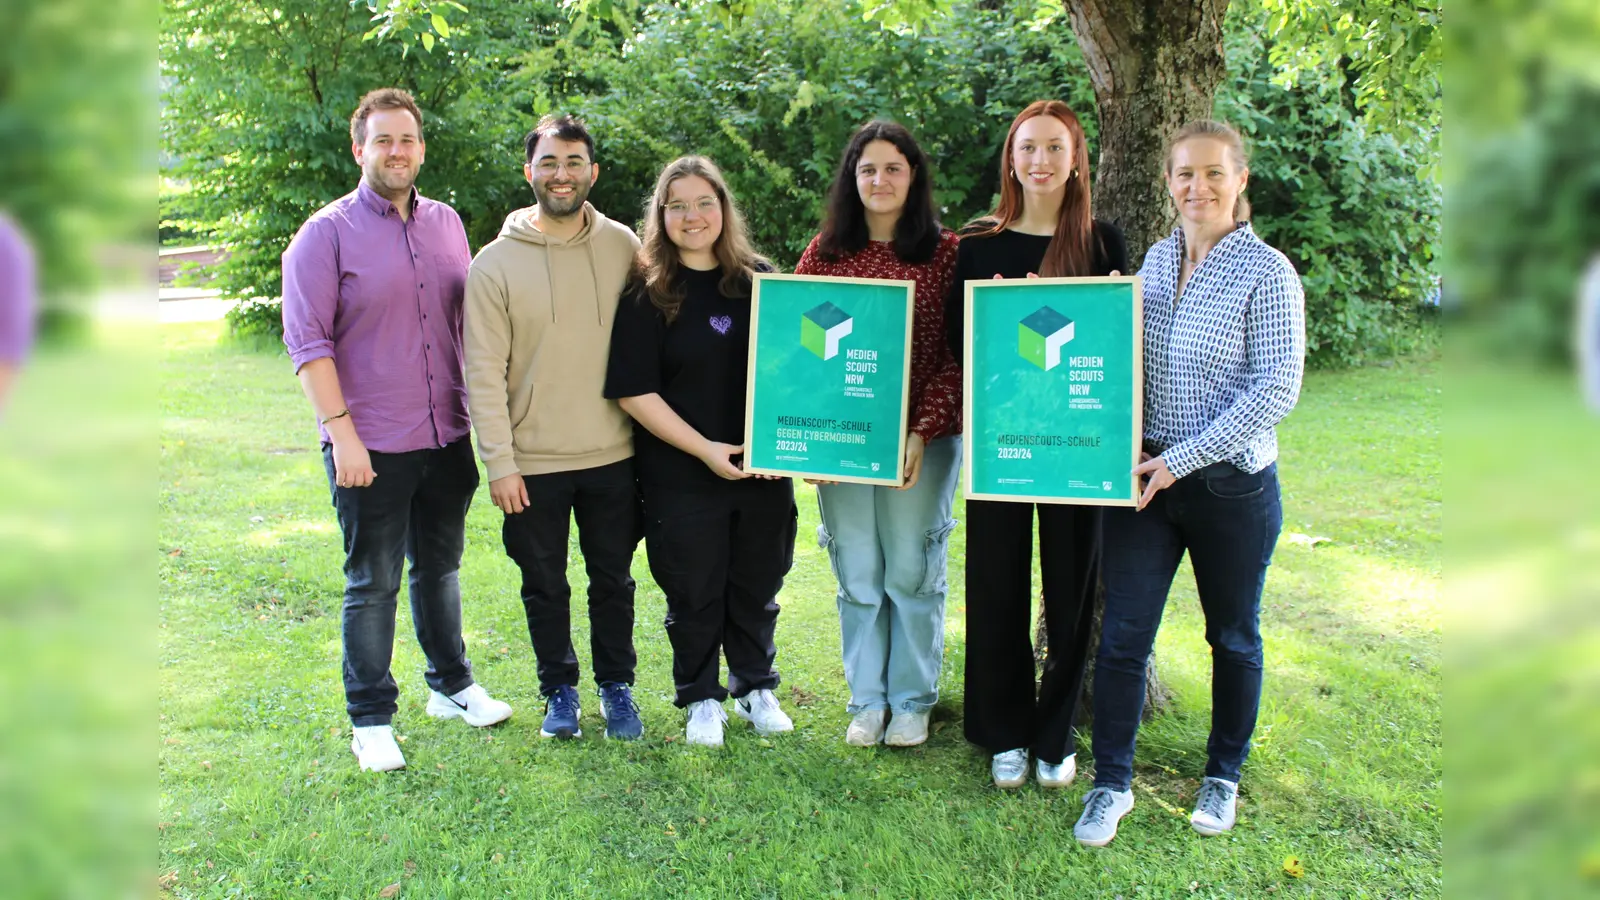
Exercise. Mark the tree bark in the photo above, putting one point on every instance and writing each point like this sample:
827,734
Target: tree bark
1154,64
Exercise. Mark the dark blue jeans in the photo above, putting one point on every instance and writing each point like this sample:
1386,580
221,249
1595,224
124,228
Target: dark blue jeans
415,510
1228,521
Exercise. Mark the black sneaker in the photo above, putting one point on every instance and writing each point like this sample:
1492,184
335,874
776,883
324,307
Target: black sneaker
561,714
622,715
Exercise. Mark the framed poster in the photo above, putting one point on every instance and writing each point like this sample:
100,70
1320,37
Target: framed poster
1054,390
830,366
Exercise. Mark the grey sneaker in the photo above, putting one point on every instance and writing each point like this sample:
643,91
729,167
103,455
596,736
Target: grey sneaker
1103,808
1216,807
907,729
1010,769
1056,776
866,728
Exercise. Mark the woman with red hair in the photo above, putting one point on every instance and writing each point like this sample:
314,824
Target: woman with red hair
1042,227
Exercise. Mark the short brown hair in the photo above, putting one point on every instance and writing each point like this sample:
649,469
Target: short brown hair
382,98
1230,138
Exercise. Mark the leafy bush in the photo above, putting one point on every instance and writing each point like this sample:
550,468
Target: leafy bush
257,322
771,96
1357,212
1526,201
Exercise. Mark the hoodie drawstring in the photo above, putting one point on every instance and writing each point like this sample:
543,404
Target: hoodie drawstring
594,273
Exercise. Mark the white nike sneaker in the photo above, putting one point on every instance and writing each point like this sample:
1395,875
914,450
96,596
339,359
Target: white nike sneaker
472,705
1103,808
760,708
705,723
1216,808
375,749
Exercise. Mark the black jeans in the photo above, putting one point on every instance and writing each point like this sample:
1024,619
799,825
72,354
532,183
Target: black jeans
1228,521
720,555
605,502
1000,708
415,510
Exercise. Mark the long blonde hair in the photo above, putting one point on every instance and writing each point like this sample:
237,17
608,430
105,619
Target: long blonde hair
658,263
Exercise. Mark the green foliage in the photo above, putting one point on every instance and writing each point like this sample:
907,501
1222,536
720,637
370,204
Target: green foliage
772,94
257,322
73,146
1527,222
774,99
1391,50
1354,208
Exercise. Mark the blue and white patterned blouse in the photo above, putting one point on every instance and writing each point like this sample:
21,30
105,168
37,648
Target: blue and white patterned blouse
1222,365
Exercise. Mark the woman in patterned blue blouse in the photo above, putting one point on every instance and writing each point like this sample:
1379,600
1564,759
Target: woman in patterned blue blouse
1224,349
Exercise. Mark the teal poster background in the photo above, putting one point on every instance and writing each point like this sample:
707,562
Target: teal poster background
1054,389
829,365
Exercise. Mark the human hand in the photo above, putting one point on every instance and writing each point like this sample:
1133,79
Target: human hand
352,464
913,470
1158,476
718,458
510,494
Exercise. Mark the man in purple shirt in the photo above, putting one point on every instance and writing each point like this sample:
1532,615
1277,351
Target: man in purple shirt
372,296
18,299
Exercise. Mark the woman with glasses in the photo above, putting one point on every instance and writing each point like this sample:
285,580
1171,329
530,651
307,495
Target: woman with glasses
1224,351
1041,227
887,545
719,540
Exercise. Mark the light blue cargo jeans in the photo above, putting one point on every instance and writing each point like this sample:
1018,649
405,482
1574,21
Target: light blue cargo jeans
887,548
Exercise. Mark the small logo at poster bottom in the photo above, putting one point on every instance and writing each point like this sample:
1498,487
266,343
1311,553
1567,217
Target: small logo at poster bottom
1105,485
822,327
874,467
1041,336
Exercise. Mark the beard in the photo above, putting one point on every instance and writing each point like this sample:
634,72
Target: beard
391,182
560,206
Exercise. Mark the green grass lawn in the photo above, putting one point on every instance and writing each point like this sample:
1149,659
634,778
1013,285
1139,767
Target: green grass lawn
260,797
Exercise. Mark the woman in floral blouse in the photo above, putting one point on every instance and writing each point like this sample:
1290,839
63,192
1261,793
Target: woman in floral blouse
888,545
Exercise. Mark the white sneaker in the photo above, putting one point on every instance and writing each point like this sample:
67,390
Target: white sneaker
1056,776
1216,807
375,749
866,728
471,704
1103,808
760,708
705,723
907,729
1010,769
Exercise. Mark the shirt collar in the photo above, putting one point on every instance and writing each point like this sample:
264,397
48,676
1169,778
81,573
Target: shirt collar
381,204
1241,228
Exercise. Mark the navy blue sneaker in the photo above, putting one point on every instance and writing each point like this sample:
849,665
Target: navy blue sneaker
561,714
622,715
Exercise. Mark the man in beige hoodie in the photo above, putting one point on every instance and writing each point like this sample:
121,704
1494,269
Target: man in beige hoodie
540,300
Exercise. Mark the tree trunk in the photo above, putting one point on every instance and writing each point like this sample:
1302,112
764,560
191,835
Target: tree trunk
1155,64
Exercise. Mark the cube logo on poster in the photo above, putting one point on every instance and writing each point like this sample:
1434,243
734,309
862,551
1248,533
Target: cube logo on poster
822,327
1041,336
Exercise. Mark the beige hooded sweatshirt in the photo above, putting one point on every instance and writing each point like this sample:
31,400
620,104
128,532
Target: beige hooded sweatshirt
537,331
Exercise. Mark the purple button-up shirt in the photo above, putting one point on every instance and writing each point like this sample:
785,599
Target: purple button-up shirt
382,297
18,294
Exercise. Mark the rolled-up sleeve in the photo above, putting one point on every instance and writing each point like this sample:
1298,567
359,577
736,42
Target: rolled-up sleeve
18,297
310,293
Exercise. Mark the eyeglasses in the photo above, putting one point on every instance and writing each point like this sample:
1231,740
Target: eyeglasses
704,206
550,166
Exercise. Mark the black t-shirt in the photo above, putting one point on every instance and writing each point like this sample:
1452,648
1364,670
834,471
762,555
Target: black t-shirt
1012,254
698,364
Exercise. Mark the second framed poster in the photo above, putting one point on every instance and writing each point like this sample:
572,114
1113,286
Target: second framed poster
830,360
1054,390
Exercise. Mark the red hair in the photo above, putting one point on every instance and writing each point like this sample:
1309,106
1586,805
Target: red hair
1070,251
